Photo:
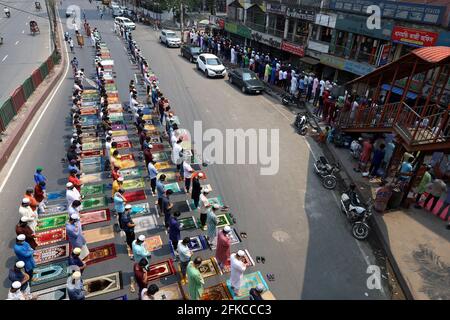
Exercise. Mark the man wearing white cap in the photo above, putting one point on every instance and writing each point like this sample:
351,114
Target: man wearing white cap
238,268
153,174
17,273
23,228
75,263
75,235
223,247
256,293
75,288
31,216
24,253
116,185
15,293
211,221
140,251
72,194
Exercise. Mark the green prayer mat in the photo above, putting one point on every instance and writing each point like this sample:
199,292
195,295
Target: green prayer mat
133,184
131,173
90,190
93,203
188,223
173,186
52,222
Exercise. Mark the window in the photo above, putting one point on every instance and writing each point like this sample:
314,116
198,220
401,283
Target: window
249,76
213,62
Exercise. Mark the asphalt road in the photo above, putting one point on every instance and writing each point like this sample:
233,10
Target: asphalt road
289,217
21,53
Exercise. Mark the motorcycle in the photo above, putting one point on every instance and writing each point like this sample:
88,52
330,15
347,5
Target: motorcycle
289,99
301,124
357,215
7,12
326,172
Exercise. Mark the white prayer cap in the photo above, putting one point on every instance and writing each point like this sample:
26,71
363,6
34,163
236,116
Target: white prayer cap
75,135
21,237
241,253
76,251
16,284
227,229
25,200
20,264
69,185
110,133
75,217
216,206
150,146
24,219
128,206
120,178
141,237
200,175
76,275
260,287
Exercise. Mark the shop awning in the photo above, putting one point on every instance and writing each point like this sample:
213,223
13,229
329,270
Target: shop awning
399,91
236,4
310,60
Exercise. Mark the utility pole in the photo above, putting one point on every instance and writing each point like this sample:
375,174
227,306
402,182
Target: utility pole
182,21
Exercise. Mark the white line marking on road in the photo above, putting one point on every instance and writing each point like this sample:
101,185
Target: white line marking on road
38,120
16,42
5,58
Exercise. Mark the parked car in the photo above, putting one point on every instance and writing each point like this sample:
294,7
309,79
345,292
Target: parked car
246,79
210,65
125,22
116,11
169,38
190,52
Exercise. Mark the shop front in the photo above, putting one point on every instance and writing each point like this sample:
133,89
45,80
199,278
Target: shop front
238,33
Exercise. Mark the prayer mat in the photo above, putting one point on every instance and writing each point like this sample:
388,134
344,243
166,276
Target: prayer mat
147,117
88,120
90,127
250,280
88,217
155,139
173,186
164,165
99,234
197,243
152,122
233,236
92,168
113,100
92,153
146,111
55,209
56,195
124,145
94,177
92,139
124,297
216,200
118,127
87,134
180,206
170,176
102,253
133,184
170,292
140,209
92,203
188,223
50,236
160,156
127,164
224,220
114,116
103,284
248,262
119,133
150,127
53,293
52,222
153,243
92,189
144,223
45,255
217,292
88,104
127,156
119,139
88,111
158,147
133,196
92,146
208,268
90,91
131,173
49,272
160,270
113,94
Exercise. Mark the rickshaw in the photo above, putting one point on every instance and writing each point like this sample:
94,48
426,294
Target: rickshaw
34,27
37,4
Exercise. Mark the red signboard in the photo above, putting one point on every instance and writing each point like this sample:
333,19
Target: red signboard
221,23
414,37
293,48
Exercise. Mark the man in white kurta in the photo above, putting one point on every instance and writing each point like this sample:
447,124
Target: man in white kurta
72,194
26,211
238,268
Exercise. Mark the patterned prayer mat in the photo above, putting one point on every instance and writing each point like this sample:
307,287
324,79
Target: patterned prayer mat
88,111
55,209
49,272
45,255
92,189
119,133
144,223
224,220
164,165
94,216
133,184
127,164
92,168
102,253
250,280
217,292
171,292
248,262
188,223
52,222
99,234
103,284
160,156
56,195
173,186
153,243
160,270
92,146
140,209
92,153
124,145
213,201
50,236
93,203
197,243
87,134
158,147
133,196
94,177
91,160
131,173
119,139
233,236
117,127
170,176
150,127
53,293
208,268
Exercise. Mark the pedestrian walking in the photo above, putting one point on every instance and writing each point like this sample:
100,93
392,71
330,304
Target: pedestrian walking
140,251
223,247
422,187
38,176
71,45
74,208
24,253
15,293
33,202
40,196
195,279
23,228
75,287
75,235
436,190
184,255
116,185
238,268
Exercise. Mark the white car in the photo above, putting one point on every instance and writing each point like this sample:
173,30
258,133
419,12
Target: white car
125,22
170,38
211,65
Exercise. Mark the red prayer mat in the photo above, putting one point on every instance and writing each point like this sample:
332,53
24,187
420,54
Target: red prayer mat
102,253
137,195
59,251
92,153
128,156
51,236
157,147
124,145
88,111
160,270
88,217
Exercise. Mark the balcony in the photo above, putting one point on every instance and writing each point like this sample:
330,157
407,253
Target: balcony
255,26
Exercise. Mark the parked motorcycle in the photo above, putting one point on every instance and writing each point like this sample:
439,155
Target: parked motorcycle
326,172
7,12
66,36
289,99
301,123
356,214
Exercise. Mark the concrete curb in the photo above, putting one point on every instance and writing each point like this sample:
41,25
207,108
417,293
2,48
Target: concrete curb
16,135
